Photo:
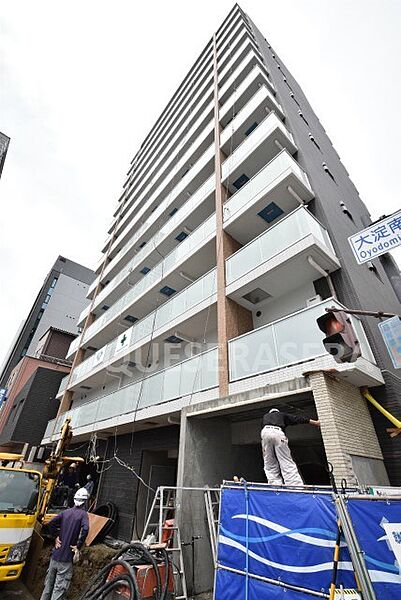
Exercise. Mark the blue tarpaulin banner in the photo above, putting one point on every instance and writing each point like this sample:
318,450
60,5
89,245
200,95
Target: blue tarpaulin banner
289,537
230,586
377,524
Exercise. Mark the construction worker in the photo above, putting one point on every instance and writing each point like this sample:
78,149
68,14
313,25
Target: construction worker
279,465
74,527
69,479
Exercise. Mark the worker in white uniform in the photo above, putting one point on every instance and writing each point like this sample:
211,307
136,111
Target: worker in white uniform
279,465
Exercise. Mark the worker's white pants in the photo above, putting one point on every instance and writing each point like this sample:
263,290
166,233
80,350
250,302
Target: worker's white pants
279,465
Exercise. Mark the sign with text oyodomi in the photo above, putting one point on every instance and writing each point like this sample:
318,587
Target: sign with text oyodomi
377,239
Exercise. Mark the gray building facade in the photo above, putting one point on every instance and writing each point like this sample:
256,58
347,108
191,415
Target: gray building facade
58,304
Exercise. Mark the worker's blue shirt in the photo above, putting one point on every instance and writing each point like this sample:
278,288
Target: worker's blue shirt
74,527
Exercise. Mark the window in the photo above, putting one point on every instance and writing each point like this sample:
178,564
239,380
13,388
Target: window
181,236
251,128
167,290
144,270
271,212
173,339
242,179
175,209
105,307
142,245
130,319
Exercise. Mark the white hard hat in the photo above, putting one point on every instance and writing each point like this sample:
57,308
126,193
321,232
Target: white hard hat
81,497
72,466
273,410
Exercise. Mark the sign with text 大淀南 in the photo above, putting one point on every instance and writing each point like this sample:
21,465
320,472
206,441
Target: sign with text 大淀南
377,239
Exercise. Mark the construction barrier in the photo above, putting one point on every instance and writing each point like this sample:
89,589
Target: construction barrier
280,544
377,524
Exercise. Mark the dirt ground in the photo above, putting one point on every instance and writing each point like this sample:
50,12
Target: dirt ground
92,560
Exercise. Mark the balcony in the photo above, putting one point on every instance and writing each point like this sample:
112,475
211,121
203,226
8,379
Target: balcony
256,149
278,260
244,92
280,184
296,341
162,393
169,115
195,255
250,61
236,59
170,178
186,311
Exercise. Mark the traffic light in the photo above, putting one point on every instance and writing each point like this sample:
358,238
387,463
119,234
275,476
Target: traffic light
341,340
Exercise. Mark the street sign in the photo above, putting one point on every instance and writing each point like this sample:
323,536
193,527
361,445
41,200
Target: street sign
390,330
377,239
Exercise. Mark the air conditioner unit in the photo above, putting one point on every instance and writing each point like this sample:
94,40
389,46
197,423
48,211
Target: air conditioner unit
314,300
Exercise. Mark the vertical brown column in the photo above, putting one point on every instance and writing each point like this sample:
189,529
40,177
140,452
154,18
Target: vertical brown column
232,319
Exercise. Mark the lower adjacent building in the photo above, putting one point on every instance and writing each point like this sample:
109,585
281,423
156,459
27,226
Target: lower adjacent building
229,240
31,393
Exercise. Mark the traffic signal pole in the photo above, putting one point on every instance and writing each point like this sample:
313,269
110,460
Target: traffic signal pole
378,314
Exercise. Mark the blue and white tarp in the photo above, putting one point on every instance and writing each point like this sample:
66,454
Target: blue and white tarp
290,537
377,524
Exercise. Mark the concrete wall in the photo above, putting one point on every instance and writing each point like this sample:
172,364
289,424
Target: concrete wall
65,305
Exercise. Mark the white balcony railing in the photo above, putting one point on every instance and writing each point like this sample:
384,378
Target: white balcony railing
265,180
156,275
291,229
183,379
290,340
166,314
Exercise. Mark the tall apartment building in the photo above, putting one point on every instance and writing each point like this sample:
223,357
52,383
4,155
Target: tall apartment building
4,143
227,243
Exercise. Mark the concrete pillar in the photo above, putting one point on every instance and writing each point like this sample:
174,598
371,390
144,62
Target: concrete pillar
347,431
204,458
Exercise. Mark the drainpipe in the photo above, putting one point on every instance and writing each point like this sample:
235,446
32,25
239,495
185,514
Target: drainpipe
320,269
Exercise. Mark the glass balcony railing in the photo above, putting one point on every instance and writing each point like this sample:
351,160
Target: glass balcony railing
291,229
170,262
170,177
290,340
241,71
63,385
268,177
167,313
186,378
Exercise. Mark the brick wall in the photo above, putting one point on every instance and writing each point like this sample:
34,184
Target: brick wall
346,424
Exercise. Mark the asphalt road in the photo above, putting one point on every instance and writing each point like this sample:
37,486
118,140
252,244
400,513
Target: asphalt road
14,591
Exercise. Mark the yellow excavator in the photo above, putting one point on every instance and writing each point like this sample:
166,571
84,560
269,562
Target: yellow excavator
24,500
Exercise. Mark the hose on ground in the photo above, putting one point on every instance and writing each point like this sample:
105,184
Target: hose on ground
140,554
110,511
126,558
98,584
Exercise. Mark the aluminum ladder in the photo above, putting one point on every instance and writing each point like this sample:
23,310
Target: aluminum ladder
164,508
212,504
